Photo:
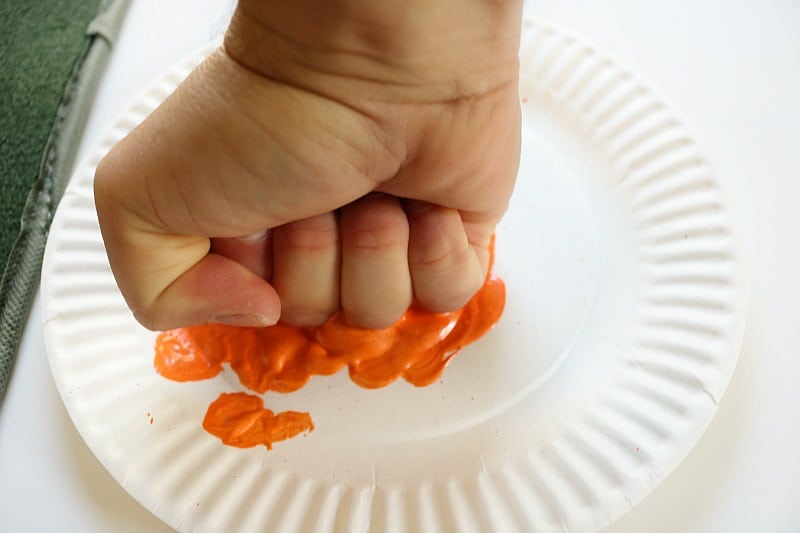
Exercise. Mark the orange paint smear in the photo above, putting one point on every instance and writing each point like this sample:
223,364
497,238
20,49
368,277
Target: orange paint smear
283,358
240,419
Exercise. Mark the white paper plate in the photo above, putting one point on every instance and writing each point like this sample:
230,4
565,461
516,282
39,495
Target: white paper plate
625,313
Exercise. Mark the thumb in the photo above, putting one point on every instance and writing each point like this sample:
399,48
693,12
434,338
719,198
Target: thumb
192,287
215,289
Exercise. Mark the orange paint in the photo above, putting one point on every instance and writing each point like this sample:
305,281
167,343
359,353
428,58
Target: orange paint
283,358
241,420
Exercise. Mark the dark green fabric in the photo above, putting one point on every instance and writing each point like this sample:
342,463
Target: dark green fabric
51,52
40,43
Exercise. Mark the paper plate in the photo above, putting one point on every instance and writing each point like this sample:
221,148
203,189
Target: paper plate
625,313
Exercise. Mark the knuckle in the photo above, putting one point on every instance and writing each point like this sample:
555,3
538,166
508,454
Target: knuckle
435,259
310,235
374,238
440,256
375,224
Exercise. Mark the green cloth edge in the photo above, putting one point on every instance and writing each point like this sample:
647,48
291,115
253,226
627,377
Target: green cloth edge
20,279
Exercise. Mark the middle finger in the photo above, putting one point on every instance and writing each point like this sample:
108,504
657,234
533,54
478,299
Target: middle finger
375,282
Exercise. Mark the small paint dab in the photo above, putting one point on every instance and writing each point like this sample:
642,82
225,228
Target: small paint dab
524,99
151,420
637,449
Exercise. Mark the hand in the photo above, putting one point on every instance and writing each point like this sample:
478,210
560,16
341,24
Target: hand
378,142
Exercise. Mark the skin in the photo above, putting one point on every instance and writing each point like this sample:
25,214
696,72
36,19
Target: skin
376,142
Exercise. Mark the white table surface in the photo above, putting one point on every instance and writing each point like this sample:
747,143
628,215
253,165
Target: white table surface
731,67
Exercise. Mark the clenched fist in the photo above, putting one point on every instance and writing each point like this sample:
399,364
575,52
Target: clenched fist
334,154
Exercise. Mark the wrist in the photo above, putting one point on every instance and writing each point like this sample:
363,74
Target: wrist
407,51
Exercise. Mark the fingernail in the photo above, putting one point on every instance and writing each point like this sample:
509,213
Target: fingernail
256,321
254,237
